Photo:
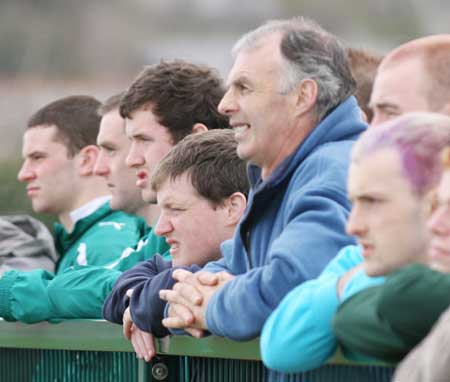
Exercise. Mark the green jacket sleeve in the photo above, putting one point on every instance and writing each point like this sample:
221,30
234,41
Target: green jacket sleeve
387,321
80,292
77,292
23,296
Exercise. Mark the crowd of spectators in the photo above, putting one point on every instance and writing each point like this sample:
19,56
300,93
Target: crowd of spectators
304,201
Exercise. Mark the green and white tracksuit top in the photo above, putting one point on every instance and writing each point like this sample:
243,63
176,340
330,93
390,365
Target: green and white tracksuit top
96,240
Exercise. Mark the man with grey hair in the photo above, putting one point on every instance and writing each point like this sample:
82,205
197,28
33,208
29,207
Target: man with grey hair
290,103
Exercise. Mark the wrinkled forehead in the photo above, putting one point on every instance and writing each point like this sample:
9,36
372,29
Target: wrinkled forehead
261,59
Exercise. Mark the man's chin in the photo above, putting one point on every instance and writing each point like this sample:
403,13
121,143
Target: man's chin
116,205
372,270
40,209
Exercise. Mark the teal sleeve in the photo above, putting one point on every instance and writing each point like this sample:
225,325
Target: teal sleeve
23,296
81,292
298,335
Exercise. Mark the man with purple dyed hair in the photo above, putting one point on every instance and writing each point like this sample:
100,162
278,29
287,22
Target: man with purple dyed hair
393,170
387,321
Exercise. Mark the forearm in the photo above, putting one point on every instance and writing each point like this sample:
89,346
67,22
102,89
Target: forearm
24,296
81,292
298,335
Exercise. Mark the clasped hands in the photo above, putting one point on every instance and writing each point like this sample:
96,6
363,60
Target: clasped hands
189,299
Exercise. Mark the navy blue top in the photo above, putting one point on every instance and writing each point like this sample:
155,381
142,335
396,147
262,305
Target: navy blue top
147,309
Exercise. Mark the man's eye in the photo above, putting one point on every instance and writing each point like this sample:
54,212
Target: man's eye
242,87
369,200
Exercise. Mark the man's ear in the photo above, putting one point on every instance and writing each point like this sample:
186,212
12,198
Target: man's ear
307,92
199,128
86,160
235,205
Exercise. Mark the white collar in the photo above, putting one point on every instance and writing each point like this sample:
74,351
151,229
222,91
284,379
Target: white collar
88,208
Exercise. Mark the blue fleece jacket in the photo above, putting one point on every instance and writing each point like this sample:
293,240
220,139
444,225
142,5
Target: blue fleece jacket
298,336
293,226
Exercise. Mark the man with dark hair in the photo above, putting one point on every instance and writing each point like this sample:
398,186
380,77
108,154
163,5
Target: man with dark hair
59,158
201,187
193,91
165,103
74,133
290,104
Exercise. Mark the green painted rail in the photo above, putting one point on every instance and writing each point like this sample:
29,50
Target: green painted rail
95,351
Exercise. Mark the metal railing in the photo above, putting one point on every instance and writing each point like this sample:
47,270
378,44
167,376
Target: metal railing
95,351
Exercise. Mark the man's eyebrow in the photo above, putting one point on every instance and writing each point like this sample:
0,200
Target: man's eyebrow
383,105
241,79
107,145
34,153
